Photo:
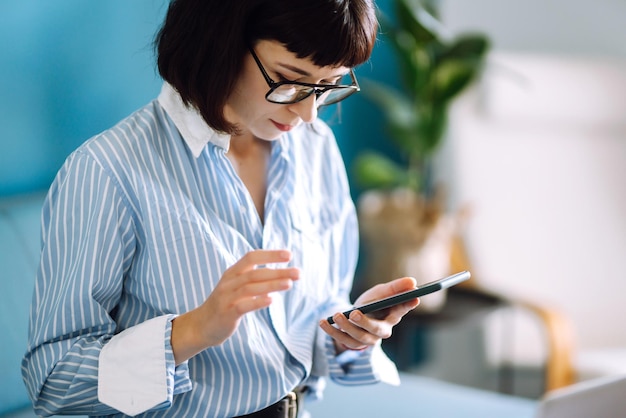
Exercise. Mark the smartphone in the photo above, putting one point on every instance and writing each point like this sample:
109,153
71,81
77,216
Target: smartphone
406,296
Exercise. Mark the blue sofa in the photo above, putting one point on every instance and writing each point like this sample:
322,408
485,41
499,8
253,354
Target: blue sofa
19,249
416,397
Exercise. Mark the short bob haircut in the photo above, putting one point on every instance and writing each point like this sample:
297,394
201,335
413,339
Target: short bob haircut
202,43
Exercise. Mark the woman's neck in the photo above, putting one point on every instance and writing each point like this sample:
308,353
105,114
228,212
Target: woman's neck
250,158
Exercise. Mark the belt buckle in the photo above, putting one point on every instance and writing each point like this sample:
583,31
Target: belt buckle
292,405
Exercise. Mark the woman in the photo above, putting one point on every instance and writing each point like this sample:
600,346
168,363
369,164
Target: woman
191,252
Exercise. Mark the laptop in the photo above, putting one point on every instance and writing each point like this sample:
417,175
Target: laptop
603,397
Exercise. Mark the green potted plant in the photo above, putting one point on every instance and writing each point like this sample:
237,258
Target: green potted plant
403,217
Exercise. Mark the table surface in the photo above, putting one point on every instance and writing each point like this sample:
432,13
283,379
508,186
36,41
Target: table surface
418,397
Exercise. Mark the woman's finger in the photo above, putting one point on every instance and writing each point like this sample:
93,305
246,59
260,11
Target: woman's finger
256,258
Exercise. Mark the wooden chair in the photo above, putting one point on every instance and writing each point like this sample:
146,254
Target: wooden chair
559,369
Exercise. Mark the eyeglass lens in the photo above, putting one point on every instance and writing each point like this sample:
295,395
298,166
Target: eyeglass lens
292,93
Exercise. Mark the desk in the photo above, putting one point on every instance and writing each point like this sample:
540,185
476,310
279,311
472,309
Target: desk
418,397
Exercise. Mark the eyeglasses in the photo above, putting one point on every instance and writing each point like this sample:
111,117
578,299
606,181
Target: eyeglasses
289,92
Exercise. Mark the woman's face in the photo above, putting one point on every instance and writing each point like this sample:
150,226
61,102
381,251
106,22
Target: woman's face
259,118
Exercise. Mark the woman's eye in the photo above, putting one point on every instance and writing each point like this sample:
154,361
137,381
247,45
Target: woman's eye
282,77
334,82
344,79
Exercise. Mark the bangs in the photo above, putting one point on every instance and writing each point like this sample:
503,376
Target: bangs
335,33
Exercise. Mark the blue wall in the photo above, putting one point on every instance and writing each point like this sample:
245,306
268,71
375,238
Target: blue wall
72,68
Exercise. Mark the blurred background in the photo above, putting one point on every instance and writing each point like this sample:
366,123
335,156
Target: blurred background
534,153
543,163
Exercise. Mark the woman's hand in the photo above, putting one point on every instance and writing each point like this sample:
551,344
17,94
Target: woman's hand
362,331
243,288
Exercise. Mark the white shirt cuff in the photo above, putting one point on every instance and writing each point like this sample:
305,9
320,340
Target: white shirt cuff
383,368
132,368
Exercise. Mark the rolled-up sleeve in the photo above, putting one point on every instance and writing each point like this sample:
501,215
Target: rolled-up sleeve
76,355
361,367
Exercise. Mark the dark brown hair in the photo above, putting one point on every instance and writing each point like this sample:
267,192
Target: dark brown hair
202,43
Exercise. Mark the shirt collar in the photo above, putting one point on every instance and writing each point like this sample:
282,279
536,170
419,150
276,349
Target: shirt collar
194,130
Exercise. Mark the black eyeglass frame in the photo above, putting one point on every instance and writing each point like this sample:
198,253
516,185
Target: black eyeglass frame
318,89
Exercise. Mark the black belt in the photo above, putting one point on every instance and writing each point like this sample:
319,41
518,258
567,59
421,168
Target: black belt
287,407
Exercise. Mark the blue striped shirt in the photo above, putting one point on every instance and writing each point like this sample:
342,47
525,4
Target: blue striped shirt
140,224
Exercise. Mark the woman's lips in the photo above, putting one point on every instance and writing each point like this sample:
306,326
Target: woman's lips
281,127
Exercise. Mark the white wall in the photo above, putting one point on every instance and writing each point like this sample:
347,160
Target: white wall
539,153
572,27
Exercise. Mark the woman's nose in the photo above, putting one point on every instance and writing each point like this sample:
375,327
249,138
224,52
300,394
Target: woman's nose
306,109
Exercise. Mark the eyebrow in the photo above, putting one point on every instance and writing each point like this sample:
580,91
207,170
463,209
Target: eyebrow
305,73
295,69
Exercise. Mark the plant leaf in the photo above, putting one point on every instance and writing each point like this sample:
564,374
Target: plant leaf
434,68
451,77
458,65
374,170
432,130
413,61
468,46
400,115
417,20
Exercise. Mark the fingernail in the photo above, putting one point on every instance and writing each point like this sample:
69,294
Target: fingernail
356,316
